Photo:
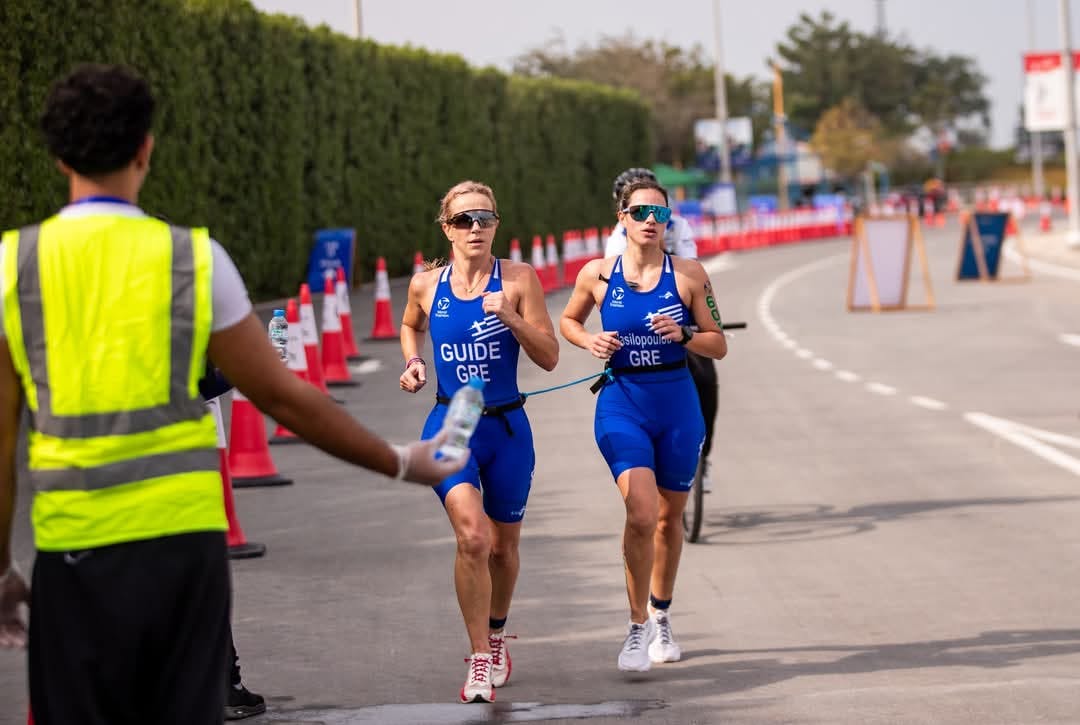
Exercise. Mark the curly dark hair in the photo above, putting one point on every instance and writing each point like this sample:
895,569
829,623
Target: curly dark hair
626,177
97,117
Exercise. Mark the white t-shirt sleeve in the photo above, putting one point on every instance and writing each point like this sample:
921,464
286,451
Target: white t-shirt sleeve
683,243
230,298
616,243
231,301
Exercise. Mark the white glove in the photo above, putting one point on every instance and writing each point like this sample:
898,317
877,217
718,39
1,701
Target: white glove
417,462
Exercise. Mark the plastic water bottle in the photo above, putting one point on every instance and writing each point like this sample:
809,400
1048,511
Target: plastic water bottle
278,330
466,407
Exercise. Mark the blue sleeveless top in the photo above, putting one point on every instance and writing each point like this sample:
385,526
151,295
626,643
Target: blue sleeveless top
629,312
467,342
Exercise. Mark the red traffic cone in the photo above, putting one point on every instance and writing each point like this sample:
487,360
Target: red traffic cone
249,455
345,313
334,367
310,337
296,361
239,546
383,329
1044,216
515,250
418,263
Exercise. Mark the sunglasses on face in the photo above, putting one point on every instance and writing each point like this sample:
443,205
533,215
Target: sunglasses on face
465,219
641,212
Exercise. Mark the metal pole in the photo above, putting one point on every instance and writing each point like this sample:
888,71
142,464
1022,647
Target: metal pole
1072,235
721,99
780,141
358,22
1035,136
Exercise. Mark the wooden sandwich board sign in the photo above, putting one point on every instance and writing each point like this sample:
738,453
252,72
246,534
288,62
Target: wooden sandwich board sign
982,248
881,252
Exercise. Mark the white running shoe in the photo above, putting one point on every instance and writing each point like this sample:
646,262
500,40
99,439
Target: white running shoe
663,647
634,656
478,687
500,658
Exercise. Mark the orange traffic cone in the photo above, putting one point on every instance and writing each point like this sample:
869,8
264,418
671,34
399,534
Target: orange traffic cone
249,455
537,262
383,329
515,250
1044,216
345,313
239,546
334,366
310,337
418,263
552,263
296,361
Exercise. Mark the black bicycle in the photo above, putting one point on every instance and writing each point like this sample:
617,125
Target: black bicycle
703,370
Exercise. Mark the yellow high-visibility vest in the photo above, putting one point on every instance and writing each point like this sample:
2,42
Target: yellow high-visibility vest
108,319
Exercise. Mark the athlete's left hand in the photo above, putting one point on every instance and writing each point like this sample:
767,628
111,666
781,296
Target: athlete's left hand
495,303
667,328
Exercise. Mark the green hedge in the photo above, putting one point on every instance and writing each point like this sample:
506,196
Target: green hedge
269,130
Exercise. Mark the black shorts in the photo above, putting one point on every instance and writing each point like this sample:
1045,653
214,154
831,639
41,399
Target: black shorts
131,634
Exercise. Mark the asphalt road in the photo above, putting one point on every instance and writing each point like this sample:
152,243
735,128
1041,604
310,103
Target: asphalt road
893,533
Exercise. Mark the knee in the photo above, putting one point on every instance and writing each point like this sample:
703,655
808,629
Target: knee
503,554
474,541
669,523
641,520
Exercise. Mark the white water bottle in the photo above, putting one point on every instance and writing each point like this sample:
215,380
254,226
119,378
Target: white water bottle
278,329
465,410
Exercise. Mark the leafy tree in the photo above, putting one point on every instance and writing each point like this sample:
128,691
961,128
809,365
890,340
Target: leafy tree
676,84
848,137
824,60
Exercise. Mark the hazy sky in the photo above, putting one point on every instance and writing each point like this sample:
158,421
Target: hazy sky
493,32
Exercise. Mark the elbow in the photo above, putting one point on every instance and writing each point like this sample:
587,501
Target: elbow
551,361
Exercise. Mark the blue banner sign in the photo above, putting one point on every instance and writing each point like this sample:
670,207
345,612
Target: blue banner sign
333,248
991,227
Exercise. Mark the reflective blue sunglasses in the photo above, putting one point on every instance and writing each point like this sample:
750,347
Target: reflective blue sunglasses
641,212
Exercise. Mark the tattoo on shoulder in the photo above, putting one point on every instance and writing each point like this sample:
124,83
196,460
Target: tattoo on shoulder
710,302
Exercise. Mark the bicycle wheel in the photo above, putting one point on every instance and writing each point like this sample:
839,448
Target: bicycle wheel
695,505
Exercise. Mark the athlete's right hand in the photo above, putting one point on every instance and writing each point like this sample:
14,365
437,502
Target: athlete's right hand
414,377
13,592
423,467
604,344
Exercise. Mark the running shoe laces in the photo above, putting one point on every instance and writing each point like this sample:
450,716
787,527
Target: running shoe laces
634,639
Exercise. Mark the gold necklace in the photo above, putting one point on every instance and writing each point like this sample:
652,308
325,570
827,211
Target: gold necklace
468,290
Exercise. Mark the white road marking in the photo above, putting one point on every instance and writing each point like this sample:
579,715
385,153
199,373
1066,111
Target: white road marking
928,403
1035,440
1037,265
366,367
1070,339
881,388
847,376
822,364
803,354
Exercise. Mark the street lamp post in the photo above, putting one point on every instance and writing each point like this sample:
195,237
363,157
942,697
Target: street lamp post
358,20
1035,136
721,99
1072,236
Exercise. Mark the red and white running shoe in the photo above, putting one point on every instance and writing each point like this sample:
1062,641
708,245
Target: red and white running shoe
478,687
500,658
